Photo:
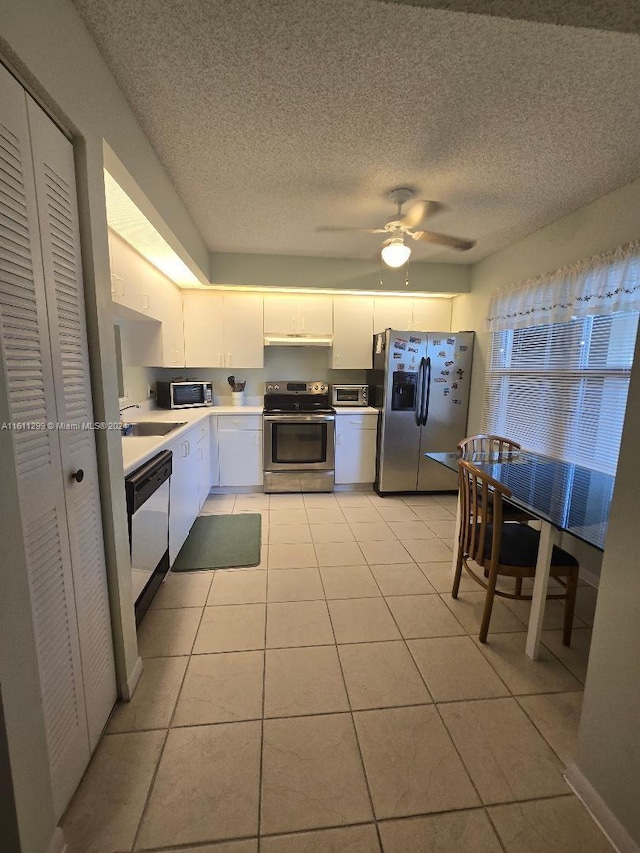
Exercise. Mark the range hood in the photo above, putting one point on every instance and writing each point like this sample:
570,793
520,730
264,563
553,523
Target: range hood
298,340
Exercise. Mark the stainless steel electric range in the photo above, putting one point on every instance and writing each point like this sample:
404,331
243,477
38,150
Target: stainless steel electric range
299,437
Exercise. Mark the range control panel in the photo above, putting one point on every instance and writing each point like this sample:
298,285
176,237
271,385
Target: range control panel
285,387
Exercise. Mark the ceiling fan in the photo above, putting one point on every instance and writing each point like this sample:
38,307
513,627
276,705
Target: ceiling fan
394,251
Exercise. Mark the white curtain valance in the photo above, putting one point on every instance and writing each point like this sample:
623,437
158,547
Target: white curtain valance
599,285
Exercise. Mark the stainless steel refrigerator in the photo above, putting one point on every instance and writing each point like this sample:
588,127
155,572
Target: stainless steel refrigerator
420,382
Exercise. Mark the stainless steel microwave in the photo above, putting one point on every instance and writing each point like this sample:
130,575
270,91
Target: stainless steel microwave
184,395
350,395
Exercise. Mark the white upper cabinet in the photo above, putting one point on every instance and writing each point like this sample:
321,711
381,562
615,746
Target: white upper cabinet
422,314
352,333
432,315
133,280
168,303
280,315
392,313
243,331
315,315
203,328
223,331
300,315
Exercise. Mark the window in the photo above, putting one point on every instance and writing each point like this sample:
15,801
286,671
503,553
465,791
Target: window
561,389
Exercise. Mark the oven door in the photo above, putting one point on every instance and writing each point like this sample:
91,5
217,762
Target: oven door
299,442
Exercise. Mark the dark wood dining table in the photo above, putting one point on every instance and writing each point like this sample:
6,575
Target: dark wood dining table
564,497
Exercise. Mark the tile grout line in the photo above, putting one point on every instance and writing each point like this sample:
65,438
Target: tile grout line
326,713
416,815
264,699
354,728
166,737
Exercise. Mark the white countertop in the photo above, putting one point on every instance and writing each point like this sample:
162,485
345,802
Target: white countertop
356,410
136,450
139,449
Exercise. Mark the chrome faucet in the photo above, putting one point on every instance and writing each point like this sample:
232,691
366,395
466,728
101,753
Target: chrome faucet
125,429
132,406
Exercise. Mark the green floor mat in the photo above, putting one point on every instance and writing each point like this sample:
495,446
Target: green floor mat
221,542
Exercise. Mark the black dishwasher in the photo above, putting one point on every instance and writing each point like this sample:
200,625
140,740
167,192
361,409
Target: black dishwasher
148,505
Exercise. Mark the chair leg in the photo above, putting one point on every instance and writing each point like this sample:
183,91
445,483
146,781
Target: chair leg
458,573
569,607
488,606
518,589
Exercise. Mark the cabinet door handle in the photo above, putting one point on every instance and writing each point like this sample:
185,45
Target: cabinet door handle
200,454
114,283
256,439
229,360
145,300
185,449
338,438
220,362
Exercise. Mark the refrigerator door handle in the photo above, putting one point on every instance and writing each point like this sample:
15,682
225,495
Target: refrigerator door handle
426,391
418,401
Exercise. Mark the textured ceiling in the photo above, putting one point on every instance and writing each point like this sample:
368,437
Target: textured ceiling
274,117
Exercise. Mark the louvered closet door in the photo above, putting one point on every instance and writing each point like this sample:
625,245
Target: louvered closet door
26,357
57,211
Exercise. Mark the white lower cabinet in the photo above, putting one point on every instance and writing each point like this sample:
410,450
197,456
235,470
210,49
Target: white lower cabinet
240,450
203,457
356,436
184,496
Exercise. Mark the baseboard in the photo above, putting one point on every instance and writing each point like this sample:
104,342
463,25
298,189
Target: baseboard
57,843
600,811
235,490
133,679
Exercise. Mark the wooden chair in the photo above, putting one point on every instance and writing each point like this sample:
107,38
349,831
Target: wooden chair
503,548
487,443
496,444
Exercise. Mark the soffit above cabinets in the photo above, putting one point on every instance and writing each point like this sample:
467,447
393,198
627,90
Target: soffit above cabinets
128,221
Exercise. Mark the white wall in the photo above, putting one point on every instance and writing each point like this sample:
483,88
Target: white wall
609,748
338,273
608,756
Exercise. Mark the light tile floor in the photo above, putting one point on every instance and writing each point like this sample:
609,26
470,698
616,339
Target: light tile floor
335,698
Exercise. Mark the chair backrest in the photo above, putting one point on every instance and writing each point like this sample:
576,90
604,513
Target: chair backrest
480,512
487,444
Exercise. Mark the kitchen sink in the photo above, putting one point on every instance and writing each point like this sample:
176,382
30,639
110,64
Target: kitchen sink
142,429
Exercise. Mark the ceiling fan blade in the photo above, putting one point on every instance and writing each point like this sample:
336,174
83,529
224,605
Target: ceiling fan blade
348,228
444,240
420,210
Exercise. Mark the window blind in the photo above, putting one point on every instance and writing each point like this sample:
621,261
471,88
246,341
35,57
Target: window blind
561,388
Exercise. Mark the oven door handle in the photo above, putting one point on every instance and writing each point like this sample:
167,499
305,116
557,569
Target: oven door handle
299,419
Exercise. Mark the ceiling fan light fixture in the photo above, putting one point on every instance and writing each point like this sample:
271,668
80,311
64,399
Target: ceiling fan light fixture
395,253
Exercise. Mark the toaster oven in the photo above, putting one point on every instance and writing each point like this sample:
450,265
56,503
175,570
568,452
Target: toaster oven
350,395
